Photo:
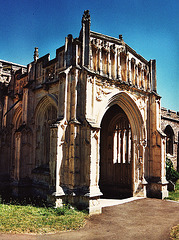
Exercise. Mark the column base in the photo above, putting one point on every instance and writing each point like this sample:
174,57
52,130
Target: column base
89,200
141,190
91,204
157,189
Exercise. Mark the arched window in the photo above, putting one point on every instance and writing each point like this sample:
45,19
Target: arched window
46,118
122,141
170,138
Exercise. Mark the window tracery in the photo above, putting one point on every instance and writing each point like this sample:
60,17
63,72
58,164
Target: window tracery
122,142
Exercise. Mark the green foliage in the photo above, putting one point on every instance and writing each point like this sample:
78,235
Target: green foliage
31,219
174,195
175,233
171,173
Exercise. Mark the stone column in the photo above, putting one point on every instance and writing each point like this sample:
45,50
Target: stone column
100,61
91,58
129,71
25,105
119,146
53,153
119,65
144,183
86,22
157,184
129,146
153,75
115,64
133,79
76,54
17,155
61,127
124,146
74,80
5,111
126,68
136,76
94,191
62,96
109,63
143,79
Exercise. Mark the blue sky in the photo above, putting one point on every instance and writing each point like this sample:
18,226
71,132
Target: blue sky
150,27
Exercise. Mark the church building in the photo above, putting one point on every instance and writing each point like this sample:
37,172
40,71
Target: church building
82,126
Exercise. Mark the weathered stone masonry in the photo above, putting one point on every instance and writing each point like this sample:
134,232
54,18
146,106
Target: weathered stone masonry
170,126
84,124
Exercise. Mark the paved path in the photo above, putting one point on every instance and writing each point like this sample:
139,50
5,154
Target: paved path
144,219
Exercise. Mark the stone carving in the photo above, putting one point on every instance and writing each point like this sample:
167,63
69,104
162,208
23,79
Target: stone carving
86,16
100,92
50,74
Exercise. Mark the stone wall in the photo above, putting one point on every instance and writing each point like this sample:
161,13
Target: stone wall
170,121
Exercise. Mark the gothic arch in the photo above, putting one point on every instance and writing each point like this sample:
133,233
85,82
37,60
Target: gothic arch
132,111
170,139
124,119
45,116
49,99
17,118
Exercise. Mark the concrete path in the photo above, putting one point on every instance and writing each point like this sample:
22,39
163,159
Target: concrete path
144,219
114,202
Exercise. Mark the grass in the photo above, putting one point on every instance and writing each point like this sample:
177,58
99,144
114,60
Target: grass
16,218
174,233
174,195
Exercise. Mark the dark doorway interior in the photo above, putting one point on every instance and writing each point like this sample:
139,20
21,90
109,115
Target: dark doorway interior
115,154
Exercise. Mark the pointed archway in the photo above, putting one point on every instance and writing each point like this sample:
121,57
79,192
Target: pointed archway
116,154
122,149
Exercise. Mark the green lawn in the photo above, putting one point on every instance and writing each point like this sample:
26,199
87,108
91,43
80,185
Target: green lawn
175,233
174,195
30,219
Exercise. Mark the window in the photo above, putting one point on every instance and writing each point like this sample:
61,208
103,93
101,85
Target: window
122,142
169,141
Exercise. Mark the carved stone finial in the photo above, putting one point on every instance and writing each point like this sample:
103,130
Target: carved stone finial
86,17
120,36
36,54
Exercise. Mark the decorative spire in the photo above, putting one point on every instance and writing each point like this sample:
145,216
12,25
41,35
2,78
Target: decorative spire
86,17
36,54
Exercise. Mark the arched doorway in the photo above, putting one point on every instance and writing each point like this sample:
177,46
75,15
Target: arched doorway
116,154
